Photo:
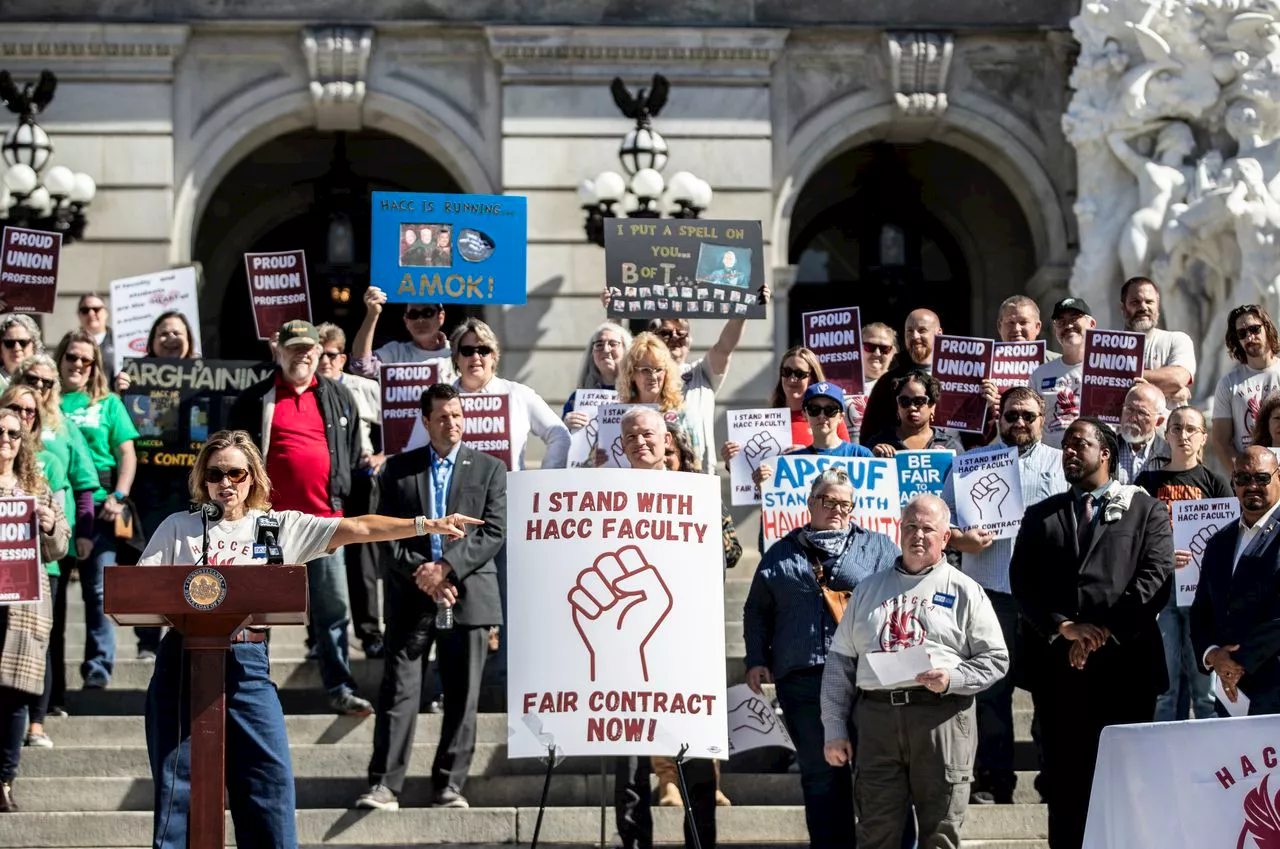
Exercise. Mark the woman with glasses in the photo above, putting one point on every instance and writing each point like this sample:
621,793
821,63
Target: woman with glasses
649,375
879,347
796,601
917,395
605,350
25,627
62,438
1183,478
109,433
21,339
171,336
426,343
824,410
260,792
24,401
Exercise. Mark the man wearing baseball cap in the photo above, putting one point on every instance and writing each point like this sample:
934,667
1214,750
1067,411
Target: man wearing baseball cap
1059,381
823,406
308,429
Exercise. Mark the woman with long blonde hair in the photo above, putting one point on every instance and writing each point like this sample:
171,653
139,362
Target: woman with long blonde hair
649,375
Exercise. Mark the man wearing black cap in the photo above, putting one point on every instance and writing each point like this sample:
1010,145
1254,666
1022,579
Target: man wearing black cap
308,429
1058,381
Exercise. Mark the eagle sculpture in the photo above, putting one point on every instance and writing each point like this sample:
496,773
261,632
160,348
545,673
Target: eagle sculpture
646,103
28,100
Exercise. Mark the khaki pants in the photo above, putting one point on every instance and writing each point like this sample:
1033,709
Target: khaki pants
919,754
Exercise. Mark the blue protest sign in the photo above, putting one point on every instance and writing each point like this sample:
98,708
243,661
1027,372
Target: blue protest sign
922,472
454,249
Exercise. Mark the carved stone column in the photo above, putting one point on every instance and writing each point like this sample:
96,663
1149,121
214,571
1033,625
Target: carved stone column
337,63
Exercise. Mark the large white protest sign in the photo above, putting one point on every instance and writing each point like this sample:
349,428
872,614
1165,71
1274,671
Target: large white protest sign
1187,785
784,500
988,490
753,723
609,433
763,434
583,440
616,626
1193,523
136,302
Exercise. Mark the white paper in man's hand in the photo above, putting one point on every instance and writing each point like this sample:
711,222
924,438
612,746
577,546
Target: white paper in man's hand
894,668
1240,707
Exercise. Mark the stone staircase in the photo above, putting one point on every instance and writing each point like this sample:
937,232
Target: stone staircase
93,789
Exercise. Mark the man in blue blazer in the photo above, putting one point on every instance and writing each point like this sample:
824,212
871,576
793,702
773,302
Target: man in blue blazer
1235,618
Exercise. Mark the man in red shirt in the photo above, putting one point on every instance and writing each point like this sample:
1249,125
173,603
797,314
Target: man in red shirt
308,429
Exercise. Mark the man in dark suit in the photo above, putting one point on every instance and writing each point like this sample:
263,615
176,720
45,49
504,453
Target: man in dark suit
1235,619
1090,571
441,478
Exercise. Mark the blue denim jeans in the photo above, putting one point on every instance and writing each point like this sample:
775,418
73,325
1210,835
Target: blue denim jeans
330,615
828,790
99,631
260,792
1188,688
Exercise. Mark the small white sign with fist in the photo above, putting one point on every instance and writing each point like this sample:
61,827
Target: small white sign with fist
1193,523
760,436
988,491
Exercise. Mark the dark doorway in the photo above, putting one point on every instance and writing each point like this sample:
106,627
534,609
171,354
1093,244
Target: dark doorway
891,228
305,190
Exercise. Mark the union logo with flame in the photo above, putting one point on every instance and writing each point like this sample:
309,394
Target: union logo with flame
902,628
1261,819
1251,413
1067,407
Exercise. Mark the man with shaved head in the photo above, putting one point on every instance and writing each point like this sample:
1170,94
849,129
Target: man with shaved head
917,354
915,737
1235,618
1142,448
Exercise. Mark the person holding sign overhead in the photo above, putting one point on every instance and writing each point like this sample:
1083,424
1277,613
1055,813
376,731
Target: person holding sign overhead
798,593
24,628
230,472
1090,570
986,560
917,398
913,718
1183,478
1236,610
427,344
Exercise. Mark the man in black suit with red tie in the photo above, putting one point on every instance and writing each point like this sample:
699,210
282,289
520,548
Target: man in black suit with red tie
1235,619
1091,571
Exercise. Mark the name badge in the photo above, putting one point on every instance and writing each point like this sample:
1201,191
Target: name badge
944,600
259,551
1048,382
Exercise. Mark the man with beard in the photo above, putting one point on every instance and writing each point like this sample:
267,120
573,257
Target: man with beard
1142,448
986,560
1253,342
1170,360
921,327
1090,571
1235,618
1058,381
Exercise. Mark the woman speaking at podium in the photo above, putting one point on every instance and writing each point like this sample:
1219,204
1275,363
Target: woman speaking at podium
229,472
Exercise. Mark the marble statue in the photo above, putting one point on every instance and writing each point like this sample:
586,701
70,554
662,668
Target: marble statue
1175,120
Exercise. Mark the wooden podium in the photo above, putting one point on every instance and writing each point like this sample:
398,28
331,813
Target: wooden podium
208,605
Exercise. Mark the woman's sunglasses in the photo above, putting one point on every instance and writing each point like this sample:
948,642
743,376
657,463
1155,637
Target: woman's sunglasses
72,359
38,382
473,350
215,475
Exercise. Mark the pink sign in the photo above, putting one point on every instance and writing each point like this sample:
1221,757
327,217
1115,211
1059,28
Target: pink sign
1112,359
1013,363
960,364
402,388
29,269
278,289
835,336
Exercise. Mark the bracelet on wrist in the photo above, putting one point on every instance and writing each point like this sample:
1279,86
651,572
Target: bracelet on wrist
420,525
119,496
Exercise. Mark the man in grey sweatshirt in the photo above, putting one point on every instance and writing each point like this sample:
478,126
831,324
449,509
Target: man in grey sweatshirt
916,737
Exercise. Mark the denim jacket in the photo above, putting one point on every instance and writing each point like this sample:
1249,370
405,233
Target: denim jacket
786,623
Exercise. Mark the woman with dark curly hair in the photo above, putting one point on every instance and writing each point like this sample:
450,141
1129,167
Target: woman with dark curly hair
917,396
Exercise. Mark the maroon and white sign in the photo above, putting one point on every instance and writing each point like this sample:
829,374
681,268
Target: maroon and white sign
1013,362
961,363
835,336
29,269
402,387
21,572
278,289
486,425
1112,359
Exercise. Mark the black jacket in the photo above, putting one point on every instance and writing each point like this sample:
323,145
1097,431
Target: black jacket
341,427
1121,582
1243,609
478,488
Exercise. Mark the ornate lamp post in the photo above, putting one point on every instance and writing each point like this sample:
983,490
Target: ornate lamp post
52,200
643,154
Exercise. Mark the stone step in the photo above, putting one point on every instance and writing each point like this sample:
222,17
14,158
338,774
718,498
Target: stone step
48,795
418,826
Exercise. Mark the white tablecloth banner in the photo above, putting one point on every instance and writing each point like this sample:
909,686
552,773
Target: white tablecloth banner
1199,784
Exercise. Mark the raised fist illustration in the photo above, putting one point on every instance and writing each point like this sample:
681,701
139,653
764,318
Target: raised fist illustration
619,456
760,447
1201,541
989,495
593,430
752,714
618,605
